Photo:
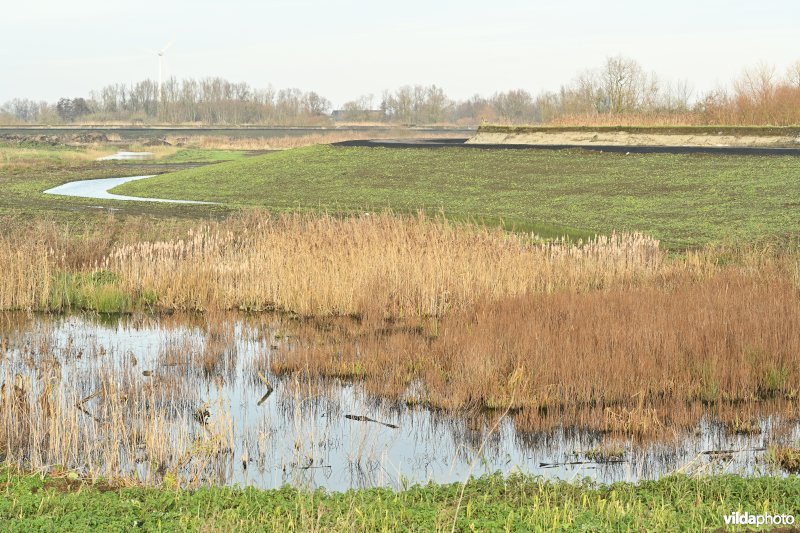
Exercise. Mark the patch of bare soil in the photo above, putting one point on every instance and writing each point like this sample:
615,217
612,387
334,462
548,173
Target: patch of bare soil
633,139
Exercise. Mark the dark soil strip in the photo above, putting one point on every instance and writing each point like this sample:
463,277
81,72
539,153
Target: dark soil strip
449,143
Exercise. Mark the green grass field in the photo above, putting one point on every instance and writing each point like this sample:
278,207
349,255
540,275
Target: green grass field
684,200
676,503
26,171
200,155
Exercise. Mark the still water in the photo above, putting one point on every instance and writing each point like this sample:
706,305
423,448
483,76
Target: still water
99,189
328,433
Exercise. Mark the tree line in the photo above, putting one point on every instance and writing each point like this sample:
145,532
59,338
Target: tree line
619,88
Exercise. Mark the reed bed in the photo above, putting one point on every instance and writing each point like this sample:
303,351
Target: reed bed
378,265
28,267
610,334
381,265
643,361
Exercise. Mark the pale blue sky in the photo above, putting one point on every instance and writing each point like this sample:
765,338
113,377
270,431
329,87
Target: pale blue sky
344,48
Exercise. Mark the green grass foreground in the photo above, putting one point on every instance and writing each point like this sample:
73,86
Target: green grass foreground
684,200
518,503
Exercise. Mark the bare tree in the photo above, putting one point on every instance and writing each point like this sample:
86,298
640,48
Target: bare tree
515,106
757,83
625,85
793,74
359,109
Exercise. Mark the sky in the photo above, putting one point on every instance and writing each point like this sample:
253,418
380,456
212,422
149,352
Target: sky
345,48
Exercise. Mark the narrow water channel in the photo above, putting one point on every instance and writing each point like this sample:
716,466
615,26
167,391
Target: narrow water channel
99,188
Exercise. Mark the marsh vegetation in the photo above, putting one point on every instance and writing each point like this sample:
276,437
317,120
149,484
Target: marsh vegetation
419,312
187,346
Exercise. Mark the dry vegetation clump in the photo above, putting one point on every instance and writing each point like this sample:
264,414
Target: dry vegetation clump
120,415
636,361
123,429
21,158
629,119
787,457
610,334
381,266
27,272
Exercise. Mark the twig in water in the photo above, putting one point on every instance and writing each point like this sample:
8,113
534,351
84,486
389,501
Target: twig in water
84,411
264,398
361,418
566,463
727,452
270,389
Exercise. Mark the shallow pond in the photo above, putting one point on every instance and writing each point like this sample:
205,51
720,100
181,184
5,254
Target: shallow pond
202,388
127,156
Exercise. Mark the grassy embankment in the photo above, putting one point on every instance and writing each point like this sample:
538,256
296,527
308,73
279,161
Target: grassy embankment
683,200
489,503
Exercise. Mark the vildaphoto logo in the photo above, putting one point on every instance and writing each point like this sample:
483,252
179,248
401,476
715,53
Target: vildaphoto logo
746,519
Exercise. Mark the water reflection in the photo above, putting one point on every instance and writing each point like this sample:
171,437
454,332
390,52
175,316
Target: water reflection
99,189
210,384
127,156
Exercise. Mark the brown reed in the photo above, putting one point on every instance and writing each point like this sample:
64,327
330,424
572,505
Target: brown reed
635,361
610,334
371,265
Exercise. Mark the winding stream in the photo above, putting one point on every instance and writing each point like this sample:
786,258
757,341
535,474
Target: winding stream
98,188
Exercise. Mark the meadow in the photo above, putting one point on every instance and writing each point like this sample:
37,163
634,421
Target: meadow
28,169
682,200
518,503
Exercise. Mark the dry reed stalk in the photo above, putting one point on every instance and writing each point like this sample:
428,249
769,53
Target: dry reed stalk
380,265
633,361
100,420
27,272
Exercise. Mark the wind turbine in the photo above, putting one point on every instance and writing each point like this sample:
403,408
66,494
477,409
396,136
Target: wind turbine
161,67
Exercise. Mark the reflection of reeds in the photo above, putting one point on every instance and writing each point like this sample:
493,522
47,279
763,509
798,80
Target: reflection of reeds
107,422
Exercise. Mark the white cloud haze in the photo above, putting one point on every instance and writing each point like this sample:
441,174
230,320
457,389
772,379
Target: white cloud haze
345,48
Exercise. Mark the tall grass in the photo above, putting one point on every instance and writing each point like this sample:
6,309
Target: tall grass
378,265
629,119
611,333
27,271
641,361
